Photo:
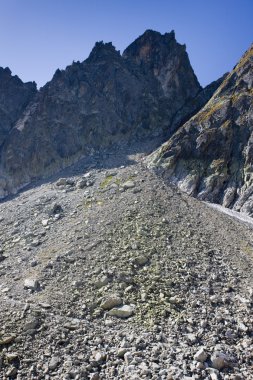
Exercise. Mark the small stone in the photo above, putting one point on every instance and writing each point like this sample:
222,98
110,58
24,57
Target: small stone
34,263
200,355
95,376
220,360
16,240
11,356
31,283
5,290
100,357
54,361
81,183
191,338
61,182
212,371
7,340
121,352
55,209
128,185
35,243
103,281
77,284
31,324
141,260
11,372
128,357
200,365
122,312
45,305
214,376
109,322
242,327
176,300
215,299
110,302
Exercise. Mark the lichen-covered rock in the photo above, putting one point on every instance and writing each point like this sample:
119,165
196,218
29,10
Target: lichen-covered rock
210,156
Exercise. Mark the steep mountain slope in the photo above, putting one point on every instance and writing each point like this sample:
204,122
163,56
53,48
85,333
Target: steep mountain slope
108,99
210,156
14,97
75,249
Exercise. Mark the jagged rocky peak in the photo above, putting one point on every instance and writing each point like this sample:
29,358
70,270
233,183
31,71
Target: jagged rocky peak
10,83
152,48
102,51
211,156
14,97
168,61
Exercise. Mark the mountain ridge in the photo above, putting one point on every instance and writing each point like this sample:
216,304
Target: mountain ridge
106,100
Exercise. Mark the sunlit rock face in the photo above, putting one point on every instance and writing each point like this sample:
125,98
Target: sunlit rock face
210,156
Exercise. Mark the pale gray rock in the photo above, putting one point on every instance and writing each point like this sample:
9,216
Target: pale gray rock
31,283
103,281
110,302
54,362
81,183
124,311
31,324
220,360
200,355
128,185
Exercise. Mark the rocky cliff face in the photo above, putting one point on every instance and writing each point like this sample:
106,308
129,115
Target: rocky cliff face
14,97
210,156
108,99
167,60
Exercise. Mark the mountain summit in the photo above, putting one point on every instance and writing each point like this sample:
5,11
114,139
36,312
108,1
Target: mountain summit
168,61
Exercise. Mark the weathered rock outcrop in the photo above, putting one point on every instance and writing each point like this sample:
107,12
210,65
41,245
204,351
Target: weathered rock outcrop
14,97
108,99
210,156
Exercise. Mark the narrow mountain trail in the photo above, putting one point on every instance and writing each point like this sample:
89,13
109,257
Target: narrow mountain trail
108,273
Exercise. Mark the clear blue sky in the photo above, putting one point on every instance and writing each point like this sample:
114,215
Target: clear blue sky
39,36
